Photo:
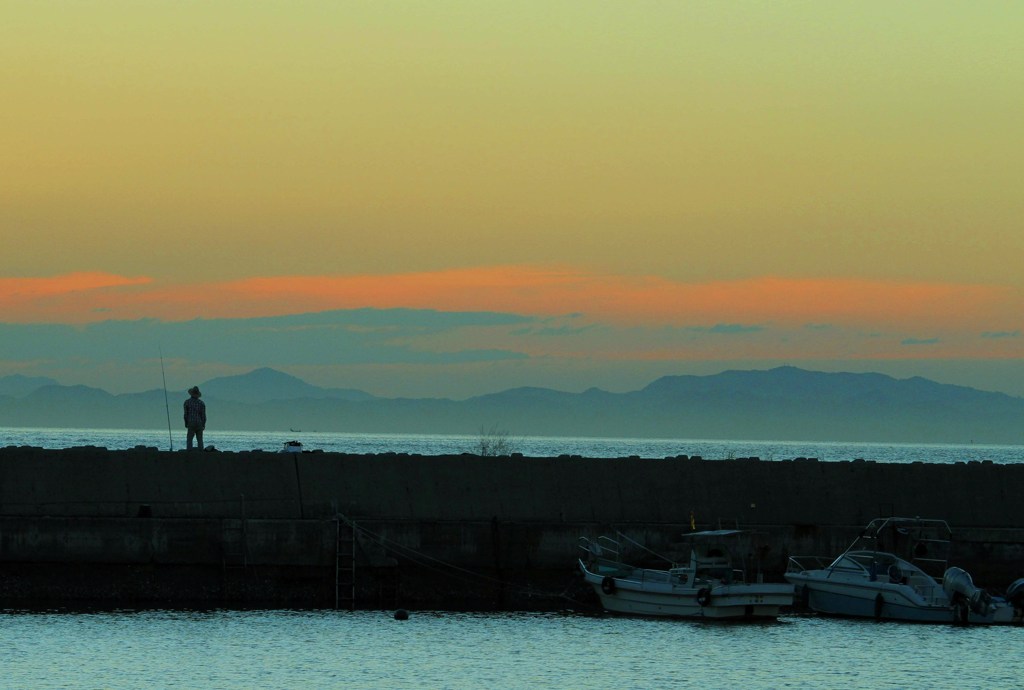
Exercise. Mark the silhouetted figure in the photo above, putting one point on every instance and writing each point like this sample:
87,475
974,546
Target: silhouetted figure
195,418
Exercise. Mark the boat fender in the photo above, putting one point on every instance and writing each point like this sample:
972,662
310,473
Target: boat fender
704,596
879,603
608,585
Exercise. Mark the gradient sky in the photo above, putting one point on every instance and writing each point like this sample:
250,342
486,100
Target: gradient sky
597,193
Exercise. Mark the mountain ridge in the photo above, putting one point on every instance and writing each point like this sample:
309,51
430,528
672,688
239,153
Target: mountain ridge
784,403
265,385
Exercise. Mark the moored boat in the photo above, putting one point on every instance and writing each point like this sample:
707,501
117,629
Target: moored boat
890,572
712,584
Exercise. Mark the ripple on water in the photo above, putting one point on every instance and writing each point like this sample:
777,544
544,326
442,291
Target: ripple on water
328,649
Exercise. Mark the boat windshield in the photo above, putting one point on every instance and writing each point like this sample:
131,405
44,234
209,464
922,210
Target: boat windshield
877,566
864,561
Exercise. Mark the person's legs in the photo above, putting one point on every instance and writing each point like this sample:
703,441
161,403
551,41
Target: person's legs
188,439
199,439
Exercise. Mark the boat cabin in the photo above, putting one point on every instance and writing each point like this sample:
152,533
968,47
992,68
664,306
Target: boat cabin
713,556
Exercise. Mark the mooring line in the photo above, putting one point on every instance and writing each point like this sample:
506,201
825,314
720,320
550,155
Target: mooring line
421,559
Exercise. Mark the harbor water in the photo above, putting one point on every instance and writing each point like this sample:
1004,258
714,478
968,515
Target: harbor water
530,446
310,649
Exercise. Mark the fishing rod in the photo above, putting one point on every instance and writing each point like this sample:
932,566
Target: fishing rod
167,405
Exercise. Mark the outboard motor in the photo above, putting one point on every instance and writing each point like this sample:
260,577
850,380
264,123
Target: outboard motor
1015,595
957,581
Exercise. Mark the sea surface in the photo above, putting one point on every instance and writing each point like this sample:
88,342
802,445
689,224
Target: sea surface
530,446
328,649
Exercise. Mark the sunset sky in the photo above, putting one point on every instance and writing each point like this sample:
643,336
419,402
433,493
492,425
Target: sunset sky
459,196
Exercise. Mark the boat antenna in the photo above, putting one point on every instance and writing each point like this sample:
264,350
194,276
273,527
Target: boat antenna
167,405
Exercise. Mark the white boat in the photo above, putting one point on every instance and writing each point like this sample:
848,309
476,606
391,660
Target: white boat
886,574
292,447
710,585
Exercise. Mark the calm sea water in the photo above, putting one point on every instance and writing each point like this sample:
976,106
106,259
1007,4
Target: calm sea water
289,649
531,446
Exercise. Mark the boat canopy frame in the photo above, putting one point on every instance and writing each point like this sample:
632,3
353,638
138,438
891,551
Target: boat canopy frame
923,542
605,553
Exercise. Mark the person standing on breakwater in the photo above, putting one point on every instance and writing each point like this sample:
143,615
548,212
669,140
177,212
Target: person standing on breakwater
195,418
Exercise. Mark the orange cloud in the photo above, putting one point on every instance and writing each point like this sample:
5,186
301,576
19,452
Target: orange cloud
60,298
12,289
614,299
627,300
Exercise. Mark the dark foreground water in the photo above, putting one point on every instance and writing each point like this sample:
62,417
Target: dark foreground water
531,446
288,649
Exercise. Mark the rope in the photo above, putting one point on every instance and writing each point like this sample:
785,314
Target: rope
437,565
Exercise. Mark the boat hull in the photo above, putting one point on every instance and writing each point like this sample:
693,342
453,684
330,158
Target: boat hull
882,601
736,601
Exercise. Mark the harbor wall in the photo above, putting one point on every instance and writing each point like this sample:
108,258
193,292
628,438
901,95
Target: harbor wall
447,531
95,482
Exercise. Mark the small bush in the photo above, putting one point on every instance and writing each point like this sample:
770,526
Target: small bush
494,442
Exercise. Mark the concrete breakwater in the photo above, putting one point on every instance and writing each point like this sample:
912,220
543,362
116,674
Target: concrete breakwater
147,527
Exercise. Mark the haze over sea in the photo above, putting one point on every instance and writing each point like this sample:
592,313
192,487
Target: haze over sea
530,446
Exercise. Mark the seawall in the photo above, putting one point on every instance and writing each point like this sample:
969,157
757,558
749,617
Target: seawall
151,527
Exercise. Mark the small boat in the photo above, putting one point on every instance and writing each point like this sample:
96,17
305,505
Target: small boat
292,447
890,572
710,585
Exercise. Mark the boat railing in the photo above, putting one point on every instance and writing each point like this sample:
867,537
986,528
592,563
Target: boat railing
932,566
919,540
939,529
602,556
798,564
603,547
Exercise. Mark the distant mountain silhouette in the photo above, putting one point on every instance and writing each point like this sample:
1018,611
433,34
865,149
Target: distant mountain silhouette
72,395
785,403
17,385
265,385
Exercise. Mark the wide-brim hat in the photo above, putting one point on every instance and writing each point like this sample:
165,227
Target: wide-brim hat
194,390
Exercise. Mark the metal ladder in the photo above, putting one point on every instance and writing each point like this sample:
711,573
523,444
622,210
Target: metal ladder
344,563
